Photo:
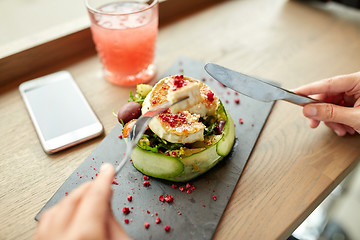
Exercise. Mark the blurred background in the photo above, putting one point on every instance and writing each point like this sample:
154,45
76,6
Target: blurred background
338,216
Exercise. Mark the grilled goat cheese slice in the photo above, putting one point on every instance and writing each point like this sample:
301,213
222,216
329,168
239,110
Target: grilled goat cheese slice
192,91
175,125
181,127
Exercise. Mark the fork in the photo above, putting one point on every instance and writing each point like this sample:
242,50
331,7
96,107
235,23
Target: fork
139,128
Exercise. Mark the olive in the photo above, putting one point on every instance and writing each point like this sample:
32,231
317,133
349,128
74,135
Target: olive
129,111
220,127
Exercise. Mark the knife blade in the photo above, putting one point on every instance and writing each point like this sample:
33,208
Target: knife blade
254,87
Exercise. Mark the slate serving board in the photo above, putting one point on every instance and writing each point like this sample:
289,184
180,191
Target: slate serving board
194,214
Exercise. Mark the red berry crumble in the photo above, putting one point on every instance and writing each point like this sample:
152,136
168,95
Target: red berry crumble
147,225
126,210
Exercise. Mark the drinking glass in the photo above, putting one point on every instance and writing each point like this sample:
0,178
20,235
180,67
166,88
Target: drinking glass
124,32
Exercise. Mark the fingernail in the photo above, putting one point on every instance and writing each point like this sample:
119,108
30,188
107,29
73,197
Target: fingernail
310,111
337,133
105,167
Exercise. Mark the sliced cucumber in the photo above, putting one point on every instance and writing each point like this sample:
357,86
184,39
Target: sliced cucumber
226,143
155,164
186,168
198,164
173,168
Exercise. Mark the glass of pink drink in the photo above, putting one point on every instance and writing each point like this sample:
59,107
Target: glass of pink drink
125,33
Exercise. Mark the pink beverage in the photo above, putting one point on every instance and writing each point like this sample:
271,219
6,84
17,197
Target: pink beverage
125,35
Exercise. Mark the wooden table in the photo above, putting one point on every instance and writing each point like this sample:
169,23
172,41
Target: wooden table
292,168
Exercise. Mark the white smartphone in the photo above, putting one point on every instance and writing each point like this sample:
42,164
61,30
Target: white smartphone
60,113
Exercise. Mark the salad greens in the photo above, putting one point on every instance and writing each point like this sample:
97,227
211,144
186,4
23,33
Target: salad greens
155,144
137,98
152,142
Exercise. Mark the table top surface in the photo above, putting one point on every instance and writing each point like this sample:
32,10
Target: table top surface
292,167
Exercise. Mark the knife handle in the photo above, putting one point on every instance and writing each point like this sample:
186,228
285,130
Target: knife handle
299,99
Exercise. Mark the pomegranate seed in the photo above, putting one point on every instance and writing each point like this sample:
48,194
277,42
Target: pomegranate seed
146,184
126,221
146,178
158,220
129,198
237,101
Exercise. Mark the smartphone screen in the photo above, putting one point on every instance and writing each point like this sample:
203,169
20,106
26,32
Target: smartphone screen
60,113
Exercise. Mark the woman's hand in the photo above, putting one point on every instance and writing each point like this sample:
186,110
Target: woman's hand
340,110
85,213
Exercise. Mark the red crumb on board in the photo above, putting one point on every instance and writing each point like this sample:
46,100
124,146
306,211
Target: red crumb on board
147,225
126,210
169,198
161,198
214,197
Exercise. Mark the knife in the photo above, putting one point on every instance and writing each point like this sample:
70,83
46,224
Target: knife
254,87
